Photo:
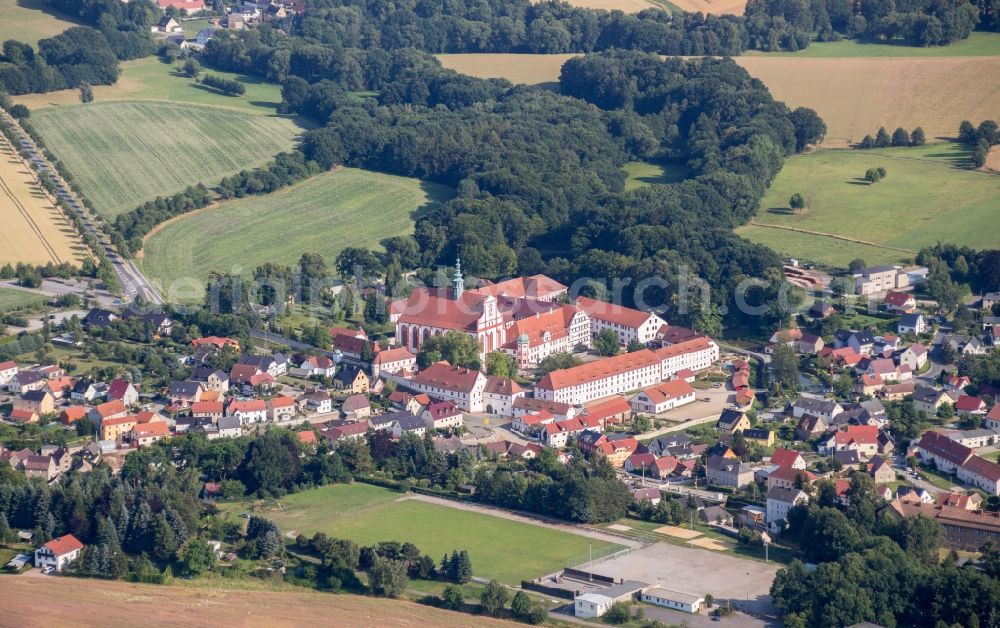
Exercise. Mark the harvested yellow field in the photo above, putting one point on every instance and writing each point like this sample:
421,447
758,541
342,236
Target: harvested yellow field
713,7
854,95
628,6
34,230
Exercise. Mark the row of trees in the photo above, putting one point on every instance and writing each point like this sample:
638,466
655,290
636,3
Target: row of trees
229,87
900,137
981,138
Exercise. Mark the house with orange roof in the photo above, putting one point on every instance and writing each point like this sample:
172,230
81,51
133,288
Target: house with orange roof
251,411
215,341
21,415
610,411
869,384
787,477
60,386
7,372
397,361
663,397
281,408
532,424
146,434
861,438
107,410
58,553
992,419
628,323
788,458
307,438
982,473
559,330
903,302
213,410
72,414
452,383
838,358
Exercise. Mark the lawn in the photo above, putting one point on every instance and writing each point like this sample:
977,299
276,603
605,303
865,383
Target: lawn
924,199
125,153
506,550
30,20
151,78
642,173
12,299
323,215
979,44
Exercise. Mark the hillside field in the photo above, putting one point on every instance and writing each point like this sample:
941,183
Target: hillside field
151,78
30,20
926,197
853,95
499,548
325,214
979,44
33,229
125,153
88,602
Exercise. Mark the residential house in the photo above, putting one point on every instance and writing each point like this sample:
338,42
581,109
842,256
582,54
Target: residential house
44,467
941,452
405,401
58,553
183,394
107,410
249,377
356,407
652,495
787,458
123,390
900,302
217,342
98,318
610,411
764,438
674,444
274,365
24,381
914,356
353,346
967,404
863,342
964,530
318,401
992,419
727,472
615,448
637,463
148,433
881,470
956,383
452,383
896,392
350,431
532,424
72,414
973,439
869,385
557,434
500,395
732,421
86,391
230,427
20,415
663,397
60,387
408,424
787,477
861,438
810,427
351,378
316,366
117,428
972,501
398,361
212,410
827,409
912,324
39,401
7,372
930,400
822,309
527,405
252,411
780,500
443,415
281,408
844,357
982,473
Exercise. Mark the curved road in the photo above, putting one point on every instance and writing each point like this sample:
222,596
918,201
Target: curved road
133,282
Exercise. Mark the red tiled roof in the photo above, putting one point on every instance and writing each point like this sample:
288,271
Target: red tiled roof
624,316
983,468
968,403
688,346
555,323
994,414
608,408
214,340
6,366
534,287
307,437
537,417
111,407
23,416
117,388
73,413
789,474
64,545
206,407
641,460
122,420
599,369
444,375
784,457
348,429
347,331
897,299
427,308
355,402
861,434
398,354
243,373
149,430
443,410
503,386
252,405
871,380
282,401
944,447
666,391
352,344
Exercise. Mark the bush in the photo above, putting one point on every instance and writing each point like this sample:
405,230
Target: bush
226,86
452,597
619,613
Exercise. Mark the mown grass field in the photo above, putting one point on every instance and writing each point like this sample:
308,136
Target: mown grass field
222,604
151,78
125,153
30,20
854,96
32,229
499,548
641,173
927,197
325,214
12,299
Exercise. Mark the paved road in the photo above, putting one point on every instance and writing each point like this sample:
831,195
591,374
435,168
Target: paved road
134,283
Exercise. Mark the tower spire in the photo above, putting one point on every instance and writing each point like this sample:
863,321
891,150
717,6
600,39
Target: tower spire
457,281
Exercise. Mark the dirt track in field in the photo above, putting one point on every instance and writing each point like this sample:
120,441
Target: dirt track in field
854,96
52,601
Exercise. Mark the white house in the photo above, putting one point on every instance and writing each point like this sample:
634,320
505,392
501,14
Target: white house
912,324
590,605
319,402
663,397
7,372
398,361
500,395
58,553
253,411
629,324
780,500
684,602
442,415
452,383
230,427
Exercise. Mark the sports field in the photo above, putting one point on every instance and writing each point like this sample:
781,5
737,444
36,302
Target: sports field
927,197
125,153
854,96
151,78
12,299
89,602
325,214
32,229
30,20
500,548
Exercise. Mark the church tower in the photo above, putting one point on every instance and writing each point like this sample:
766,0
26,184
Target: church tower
458,283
